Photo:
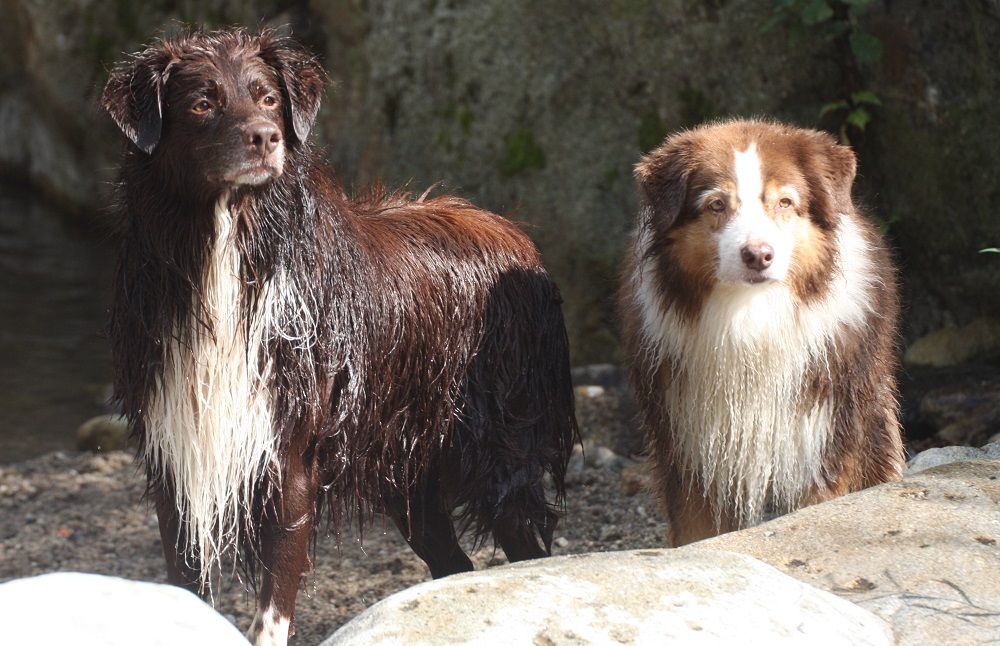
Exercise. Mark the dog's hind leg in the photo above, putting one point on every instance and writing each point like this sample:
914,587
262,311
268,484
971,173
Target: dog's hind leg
182,570
519,538
428,529
288,524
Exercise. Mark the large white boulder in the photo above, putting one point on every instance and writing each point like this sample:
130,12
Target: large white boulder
94,610
636,597
922,553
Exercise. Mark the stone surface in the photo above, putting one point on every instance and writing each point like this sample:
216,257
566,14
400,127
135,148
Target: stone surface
921,553
637,597
94,610
963,412
946,455
103,433
979,340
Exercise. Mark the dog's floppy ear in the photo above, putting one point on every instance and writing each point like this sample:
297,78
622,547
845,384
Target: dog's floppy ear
302,80
663,180
832,167
133,96
842,167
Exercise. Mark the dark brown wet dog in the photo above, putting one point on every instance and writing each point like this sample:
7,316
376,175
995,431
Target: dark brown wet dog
282,350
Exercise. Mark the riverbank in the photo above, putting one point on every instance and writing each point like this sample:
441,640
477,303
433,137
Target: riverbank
84,512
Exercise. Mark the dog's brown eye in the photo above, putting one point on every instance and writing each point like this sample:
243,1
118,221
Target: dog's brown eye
717,205
785,203
201,107
269,101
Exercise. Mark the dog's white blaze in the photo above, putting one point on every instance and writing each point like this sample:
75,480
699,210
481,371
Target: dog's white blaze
751,224
209,425
735,402
268,628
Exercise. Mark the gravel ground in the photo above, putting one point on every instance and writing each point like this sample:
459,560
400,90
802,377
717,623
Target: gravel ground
84,512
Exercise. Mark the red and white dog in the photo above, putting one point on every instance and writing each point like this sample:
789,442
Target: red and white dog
759,315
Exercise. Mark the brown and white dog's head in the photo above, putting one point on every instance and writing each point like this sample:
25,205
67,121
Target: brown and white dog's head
216,110
745,203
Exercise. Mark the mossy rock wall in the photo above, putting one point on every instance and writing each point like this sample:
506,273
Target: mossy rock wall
540,109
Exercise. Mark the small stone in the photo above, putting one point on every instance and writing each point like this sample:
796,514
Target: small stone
949,346
610,533
561,541
604,458
590,391
102,433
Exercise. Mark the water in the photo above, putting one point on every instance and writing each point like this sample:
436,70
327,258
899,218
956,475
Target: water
54,294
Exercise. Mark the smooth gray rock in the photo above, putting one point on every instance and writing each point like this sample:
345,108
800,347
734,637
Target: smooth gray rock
94,610
637,597
948,454
921,553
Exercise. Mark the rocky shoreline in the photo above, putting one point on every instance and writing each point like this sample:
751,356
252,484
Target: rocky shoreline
77,511
84,512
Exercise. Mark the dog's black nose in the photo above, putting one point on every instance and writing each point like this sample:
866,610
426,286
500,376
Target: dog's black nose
262,136
757,255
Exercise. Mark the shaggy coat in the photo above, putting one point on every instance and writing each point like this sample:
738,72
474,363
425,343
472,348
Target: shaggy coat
759,311
281,349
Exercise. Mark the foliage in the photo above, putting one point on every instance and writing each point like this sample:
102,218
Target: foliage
837,21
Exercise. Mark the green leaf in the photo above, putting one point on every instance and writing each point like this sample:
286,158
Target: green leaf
859,118
833,106
858,3
866,48
990,250
865,97
816,11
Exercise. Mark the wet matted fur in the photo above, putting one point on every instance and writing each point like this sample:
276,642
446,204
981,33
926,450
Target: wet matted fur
281,349
759,311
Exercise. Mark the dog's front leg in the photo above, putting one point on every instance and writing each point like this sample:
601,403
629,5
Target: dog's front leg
182,569
285,536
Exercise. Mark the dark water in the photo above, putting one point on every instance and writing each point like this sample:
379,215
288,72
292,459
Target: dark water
54,361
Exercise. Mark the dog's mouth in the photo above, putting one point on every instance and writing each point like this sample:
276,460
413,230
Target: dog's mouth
250,173
753,277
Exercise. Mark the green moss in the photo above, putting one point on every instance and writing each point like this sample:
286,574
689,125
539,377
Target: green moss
521,153
651,131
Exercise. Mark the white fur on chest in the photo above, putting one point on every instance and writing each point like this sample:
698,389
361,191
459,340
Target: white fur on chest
209,427
736,401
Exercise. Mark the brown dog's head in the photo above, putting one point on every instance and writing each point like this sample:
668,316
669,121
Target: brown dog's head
748,203
218,109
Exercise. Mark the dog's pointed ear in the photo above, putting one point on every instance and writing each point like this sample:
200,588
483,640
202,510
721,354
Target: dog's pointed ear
302,81
663,180
133,96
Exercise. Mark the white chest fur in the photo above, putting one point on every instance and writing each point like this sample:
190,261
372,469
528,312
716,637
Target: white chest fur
209,427
736,403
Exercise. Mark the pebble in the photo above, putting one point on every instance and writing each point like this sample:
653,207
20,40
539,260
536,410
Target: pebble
562,541
605,458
